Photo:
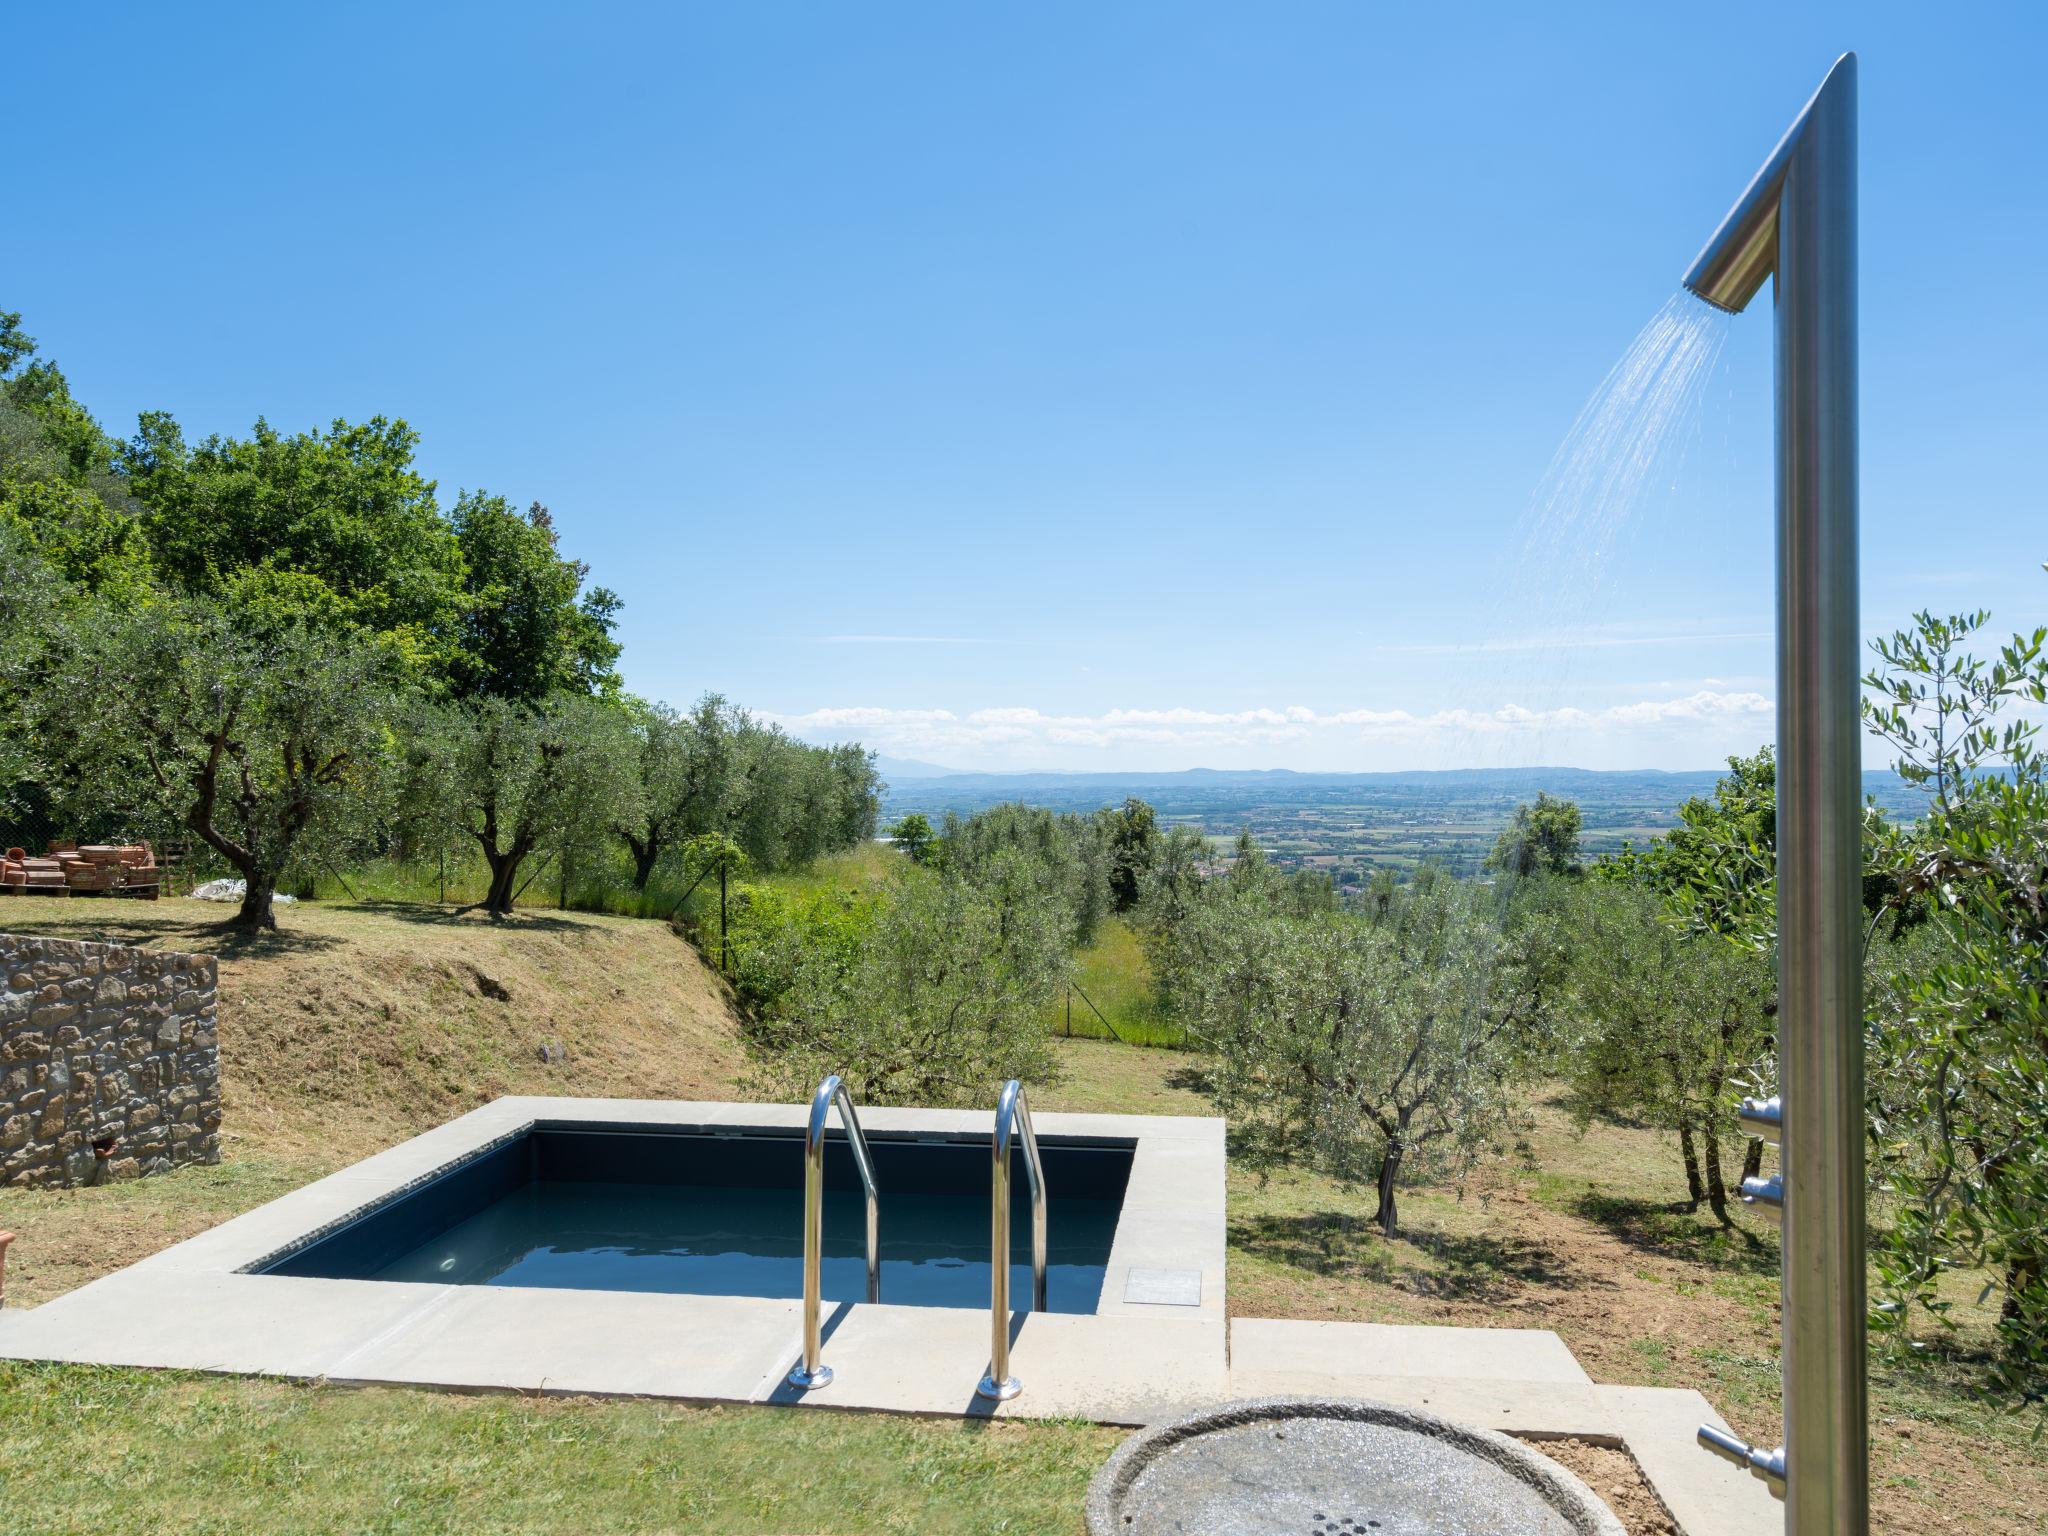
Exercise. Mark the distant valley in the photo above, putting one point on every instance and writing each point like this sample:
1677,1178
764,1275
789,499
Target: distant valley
1353,823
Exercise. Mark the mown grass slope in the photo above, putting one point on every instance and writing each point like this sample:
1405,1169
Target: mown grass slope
355,1027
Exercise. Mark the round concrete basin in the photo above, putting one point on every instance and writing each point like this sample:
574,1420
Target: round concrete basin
1335,1467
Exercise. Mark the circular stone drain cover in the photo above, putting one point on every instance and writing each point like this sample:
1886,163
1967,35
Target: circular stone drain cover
1334,1467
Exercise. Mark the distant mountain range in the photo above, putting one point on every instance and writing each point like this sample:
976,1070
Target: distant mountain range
911,768
1599,783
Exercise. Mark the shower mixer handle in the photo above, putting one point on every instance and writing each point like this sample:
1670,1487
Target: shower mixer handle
1765,1196
1769,1466
1762,1118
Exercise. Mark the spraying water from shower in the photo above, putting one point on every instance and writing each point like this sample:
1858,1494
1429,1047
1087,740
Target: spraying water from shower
1629,437
1616,469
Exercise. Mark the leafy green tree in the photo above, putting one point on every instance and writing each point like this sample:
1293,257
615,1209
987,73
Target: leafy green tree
931,995
1132,833
344,510
527,629
16,345
58,485
1666,1025
913,834
1543,838
33,598
69,443
83,539
1718,868
1959,1045
1366,1045
517,780
1063,853
261,733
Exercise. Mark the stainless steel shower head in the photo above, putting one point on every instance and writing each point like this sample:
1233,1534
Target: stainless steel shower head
1797,223
1744,250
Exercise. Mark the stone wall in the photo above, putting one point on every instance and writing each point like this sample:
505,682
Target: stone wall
109,1061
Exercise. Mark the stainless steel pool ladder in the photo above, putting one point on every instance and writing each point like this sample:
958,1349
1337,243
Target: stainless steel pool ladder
810,1373
1013,1120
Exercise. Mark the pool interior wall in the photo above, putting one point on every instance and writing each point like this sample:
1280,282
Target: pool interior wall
720,1213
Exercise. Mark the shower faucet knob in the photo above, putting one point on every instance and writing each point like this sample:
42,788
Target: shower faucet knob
1763,1118
1765,1196
1767,1466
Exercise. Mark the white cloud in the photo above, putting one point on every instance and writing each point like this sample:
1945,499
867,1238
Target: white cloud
1022,736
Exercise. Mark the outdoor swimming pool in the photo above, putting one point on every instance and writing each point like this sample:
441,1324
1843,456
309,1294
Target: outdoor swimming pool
720,1214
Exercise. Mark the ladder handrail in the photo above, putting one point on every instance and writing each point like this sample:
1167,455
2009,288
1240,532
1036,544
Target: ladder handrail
1013,1121
810,1373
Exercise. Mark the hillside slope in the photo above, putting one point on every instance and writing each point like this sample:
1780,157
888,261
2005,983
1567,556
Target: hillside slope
356,1027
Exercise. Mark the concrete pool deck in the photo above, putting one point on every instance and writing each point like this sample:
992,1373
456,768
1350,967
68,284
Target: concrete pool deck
1159,1344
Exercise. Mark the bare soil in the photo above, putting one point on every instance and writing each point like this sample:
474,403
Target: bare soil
1613,1475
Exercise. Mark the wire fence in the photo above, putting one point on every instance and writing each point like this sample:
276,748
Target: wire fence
1091,1023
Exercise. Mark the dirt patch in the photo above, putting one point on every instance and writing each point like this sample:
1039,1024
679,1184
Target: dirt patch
491,987
1613,1475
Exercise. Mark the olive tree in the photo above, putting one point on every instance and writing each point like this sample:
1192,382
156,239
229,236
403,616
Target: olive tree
519,781
1664,1024
258,730
689,779
1062,854
1959,1043
940,991
1366,1044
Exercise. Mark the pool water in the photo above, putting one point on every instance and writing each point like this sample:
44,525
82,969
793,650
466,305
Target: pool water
722,1214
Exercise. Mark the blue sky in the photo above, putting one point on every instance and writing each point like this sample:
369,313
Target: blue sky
1082,386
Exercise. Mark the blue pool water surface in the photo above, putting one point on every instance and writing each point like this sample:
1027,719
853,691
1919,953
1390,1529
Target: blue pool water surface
722,1215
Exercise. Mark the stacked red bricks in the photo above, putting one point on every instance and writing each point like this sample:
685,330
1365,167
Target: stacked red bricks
95,870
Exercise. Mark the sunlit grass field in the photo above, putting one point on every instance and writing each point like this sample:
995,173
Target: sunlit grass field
1111,996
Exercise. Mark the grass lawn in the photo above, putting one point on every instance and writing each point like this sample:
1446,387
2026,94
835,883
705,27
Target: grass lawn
92,1450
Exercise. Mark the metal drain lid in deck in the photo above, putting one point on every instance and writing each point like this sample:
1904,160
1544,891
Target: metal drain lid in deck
1335,1467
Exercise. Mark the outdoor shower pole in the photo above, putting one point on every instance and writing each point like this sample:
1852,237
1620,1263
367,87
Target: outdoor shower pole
1798,220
